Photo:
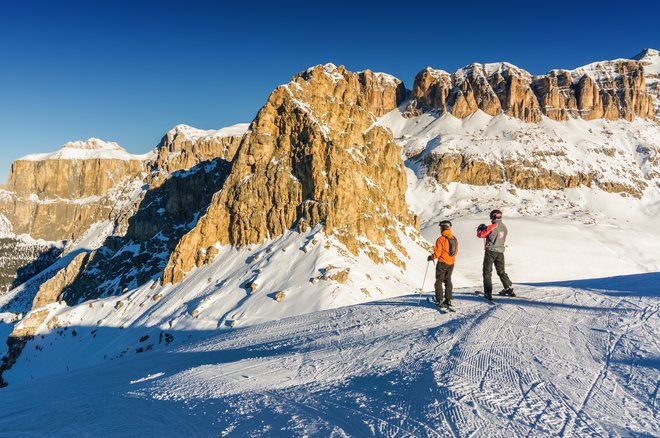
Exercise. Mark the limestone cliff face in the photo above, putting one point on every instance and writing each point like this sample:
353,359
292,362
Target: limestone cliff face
79,170
492,88
314,156
50,290
611,90
556,94
524,174
650,60
380,92
168,210
58,196
184,147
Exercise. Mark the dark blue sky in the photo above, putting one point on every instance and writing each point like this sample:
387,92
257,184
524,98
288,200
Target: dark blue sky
128,71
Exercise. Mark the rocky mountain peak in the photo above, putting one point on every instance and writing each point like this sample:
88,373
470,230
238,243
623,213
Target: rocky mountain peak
184,147
187,132
648,56
90,149
315,155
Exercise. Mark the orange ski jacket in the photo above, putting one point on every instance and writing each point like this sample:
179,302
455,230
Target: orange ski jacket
441,251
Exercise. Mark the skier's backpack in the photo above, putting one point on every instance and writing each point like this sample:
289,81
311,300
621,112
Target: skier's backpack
453,245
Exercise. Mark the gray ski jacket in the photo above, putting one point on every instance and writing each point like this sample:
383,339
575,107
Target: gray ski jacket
495,235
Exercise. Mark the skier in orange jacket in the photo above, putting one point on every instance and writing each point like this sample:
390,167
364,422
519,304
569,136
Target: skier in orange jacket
446,248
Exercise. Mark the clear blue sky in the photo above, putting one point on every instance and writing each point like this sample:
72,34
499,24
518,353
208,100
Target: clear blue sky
127,71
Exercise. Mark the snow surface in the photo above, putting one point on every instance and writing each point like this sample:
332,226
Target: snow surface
568,360
563,361
91,149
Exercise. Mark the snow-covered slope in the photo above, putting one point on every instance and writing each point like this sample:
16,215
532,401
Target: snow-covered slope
5,227
581,232
616,151
650,58
562,361
288,276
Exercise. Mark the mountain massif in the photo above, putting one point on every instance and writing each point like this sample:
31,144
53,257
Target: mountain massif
322,196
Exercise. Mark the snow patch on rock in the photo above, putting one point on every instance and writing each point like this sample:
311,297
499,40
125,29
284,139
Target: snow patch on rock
91,149
194,134
5,227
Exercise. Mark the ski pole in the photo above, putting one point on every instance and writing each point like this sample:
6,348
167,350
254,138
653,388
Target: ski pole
423,283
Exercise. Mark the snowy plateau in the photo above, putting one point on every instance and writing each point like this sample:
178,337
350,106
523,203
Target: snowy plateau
263,341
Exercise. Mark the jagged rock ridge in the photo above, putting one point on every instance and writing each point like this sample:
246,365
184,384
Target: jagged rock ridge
611,90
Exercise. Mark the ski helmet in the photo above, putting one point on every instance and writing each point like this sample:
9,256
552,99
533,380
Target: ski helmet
445,225
495,214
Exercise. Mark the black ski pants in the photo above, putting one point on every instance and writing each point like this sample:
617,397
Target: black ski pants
443,277
494,258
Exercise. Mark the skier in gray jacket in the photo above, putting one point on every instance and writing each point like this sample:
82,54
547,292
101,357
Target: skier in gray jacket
495,240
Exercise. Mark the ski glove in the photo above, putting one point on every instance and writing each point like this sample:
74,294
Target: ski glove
481,227
430,258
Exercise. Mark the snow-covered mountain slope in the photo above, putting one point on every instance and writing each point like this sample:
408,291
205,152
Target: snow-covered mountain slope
650,58
562,361
615,156
554,232
294,274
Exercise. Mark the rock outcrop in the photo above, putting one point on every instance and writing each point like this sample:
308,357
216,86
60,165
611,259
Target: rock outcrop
168,210
184,147
611,90
650,60
21,259
314,156
556,95
50,290
524,174
58,196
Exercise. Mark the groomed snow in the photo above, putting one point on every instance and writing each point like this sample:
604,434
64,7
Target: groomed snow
562,361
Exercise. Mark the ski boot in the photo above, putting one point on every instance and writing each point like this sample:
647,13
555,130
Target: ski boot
488,296
446,303
508,292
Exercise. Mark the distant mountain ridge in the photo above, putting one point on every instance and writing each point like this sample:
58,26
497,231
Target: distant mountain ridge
609,89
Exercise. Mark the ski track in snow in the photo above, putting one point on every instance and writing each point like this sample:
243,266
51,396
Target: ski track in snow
563,361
